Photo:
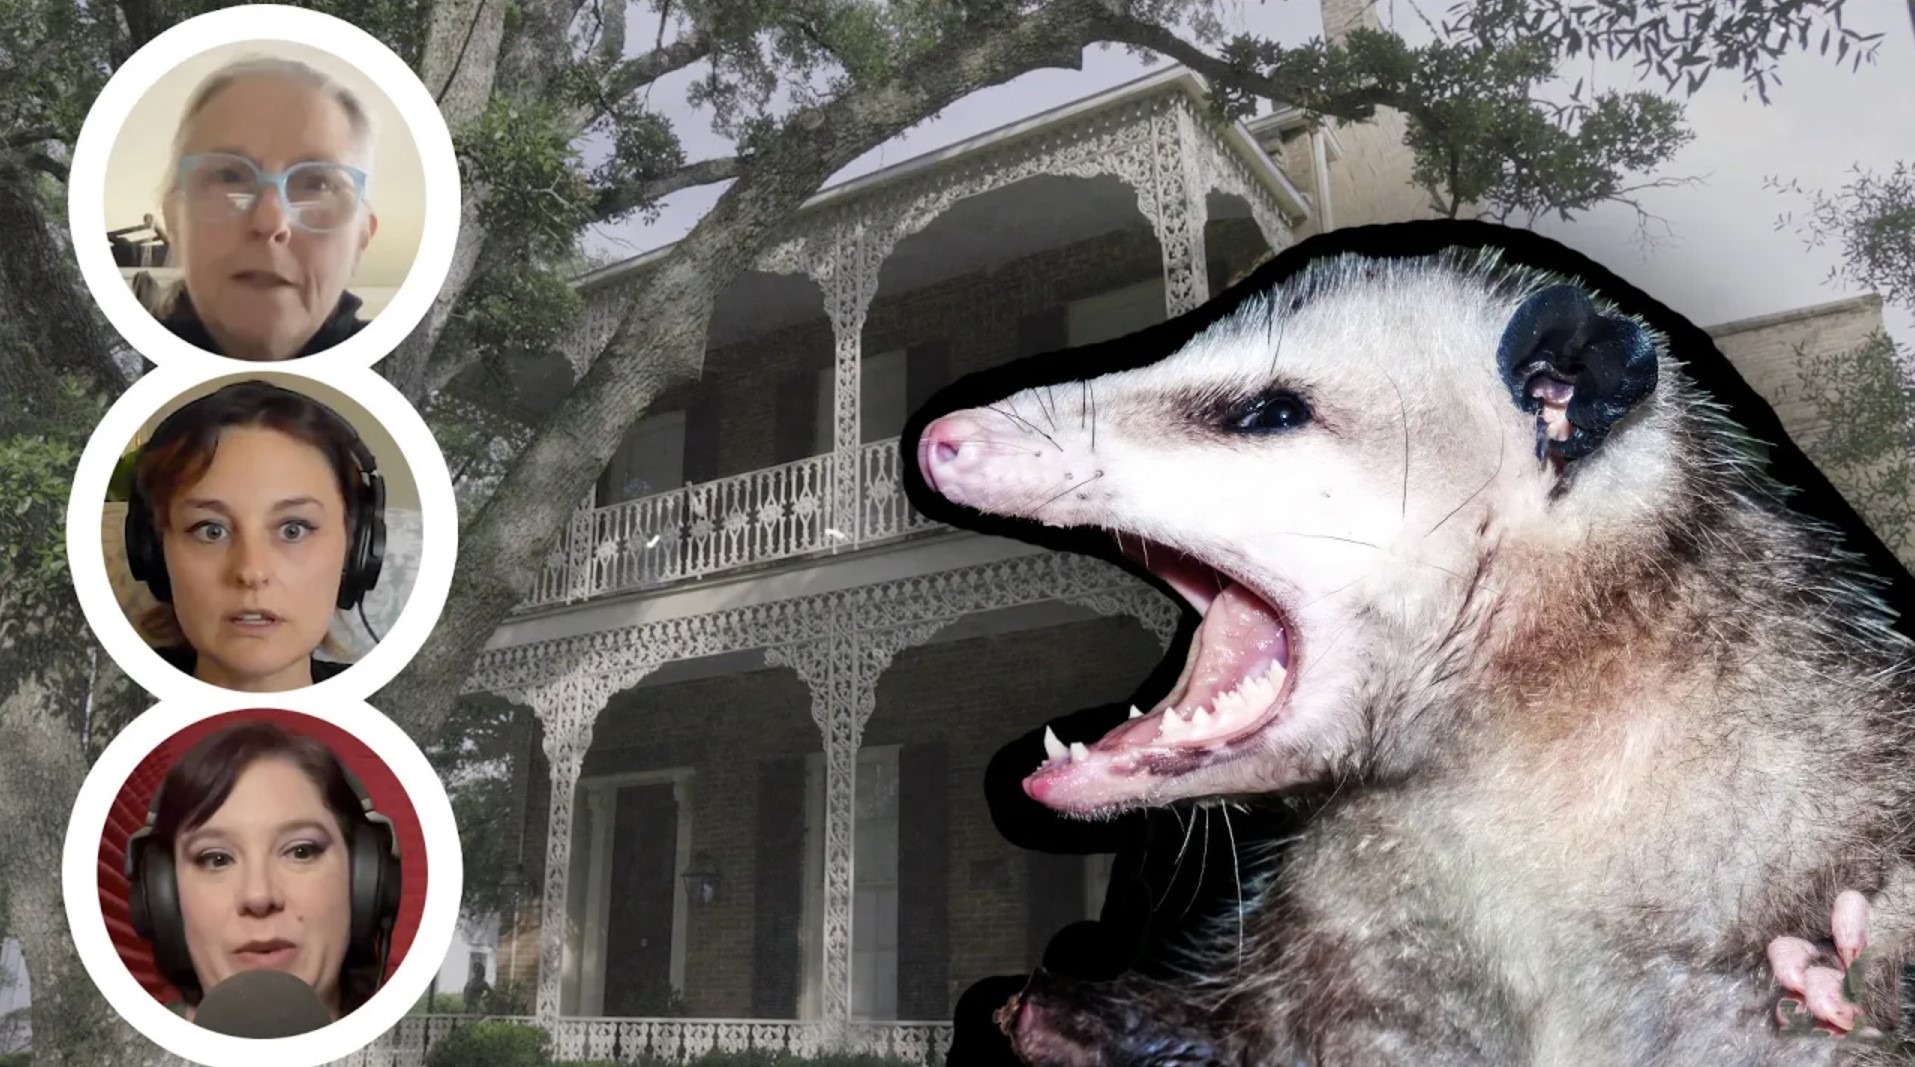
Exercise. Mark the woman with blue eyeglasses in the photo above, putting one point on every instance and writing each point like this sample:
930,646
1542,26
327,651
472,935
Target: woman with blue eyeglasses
267,211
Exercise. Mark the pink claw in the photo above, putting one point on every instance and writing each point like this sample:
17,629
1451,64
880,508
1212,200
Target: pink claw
1848,921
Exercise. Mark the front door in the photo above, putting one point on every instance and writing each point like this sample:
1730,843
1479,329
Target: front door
638,948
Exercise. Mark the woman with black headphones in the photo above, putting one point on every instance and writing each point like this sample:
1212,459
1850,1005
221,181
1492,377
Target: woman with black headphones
254,513
261,850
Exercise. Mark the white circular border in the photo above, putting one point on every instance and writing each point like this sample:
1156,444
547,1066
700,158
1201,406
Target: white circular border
439,532
86,184
445,884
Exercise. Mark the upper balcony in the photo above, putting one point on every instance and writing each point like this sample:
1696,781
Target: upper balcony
761,516
1065,229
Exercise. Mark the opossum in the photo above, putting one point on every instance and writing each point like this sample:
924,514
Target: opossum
1593,718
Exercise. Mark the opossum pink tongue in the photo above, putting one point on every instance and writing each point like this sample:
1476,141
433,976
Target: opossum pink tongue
1230,690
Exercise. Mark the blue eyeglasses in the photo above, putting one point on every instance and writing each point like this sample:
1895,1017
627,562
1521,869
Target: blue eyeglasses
318,196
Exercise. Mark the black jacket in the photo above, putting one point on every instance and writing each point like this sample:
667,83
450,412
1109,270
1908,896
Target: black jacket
344,321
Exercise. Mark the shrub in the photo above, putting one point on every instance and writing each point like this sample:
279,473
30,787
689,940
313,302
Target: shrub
491,1044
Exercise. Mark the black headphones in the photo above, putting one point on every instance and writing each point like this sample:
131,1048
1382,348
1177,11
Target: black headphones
146,559
152,894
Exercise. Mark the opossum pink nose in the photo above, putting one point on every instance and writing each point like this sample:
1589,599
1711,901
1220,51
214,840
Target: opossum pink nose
946,447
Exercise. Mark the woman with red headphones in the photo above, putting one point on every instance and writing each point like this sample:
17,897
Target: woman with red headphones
261,850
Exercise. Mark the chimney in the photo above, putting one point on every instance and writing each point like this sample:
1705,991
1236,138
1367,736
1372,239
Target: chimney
1342,16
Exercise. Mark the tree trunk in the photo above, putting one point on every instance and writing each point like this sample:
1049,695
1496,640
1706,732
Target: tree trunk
460,62
660,344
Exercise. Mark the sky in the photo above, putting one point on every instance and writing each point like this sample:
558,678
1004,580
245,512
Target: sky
1721,256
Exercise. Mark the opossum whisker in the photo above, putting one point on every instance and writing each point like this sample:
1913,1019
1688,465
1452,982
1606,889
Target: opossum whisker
1365,544
1403,416
1501,455
1237,867
1019,420
1203,865
1067,489
1093,415
1176,865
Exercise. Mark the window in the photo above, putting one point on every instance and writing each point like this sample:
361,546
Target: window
650,460
881,400
1116,313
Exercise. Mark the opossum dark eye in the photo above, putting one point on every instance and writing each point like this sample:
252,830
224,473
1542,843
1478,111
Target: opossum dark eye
1274,412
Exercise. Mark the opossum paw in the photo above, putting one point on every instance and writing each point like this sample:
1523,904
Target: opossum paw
1819,996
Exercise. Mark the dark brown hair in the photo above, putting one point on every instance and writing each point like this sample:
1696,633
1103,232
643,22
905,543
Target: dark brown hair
182,449
204,777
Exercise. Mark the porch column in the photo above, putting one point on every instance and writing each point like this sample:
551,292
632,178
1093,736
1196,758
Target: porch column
567,708
849,278
842,671
1180,208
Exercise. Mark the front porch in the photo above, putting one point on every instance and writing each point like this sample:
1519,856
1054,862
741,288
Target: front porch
764,827
668,1040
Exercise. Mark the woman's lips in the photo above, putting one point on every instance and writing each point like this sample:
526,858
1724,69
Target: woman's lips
259,954
261,279
253,622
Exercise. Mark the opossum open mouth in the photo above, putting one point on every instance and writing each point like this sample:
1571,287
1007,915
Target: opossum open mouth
1233,686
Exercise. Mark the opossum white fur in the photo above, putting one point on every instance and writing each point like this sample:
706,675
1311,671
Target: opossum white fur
1582,736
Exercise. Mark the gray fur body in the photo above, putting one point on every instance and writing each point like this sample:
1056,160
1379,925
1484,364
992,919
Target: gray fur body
1582,738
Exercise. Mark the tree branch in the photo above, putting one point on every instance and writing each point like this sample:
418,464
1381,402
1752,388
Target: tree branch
621,199
31,135
634,74
1125,29
46,164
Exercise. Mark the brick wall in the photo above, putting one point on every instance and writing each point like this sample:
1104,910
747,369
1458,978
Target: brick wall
967,698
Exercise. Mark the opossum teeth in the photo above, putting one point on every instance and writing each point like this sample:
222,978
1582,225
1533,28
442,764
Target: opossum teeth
1078,751
1053,747
1134,713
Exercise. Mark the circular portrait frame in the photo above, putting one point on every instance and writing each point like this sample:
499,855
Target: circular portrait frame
86,195
445,882
438,517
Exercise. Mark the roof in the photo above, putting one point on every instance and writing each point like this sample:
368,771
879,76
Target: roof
1171,78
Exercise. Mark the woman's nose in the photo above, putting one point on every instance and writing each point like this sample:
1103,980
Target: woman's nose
270,217
259,890
250,565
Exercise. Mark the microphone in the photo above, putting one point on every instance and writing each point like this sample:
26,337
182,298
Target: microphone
264,1003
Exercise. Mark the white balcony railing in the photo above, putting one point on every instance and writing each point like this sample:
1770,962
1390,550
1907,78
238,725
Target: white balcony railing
757,517
671,1040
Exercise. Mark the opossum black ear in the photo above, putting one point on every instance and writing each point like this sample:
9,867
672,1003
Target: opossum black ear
1578,369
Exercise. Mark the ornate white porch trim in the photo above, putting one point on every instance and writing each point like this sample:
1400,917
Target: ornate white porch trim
567,707
840,644
1160,144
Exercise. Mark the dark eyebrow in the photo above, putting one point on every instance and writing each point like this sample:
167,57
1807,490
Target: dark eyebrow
314,825
217,506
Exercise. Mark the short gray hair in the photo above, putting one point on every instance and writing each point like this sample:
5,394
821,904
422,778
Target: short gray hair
291,70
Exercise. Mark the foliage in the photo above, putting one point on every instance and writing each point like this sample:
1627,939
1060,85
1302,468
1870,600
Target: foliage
1479,131
1866,406
1680,42
482,754
39,451
520,152
1875,220
491,1044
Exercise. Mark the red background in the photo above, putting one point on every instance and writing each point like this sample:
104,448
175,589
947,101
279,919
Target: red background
129,814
